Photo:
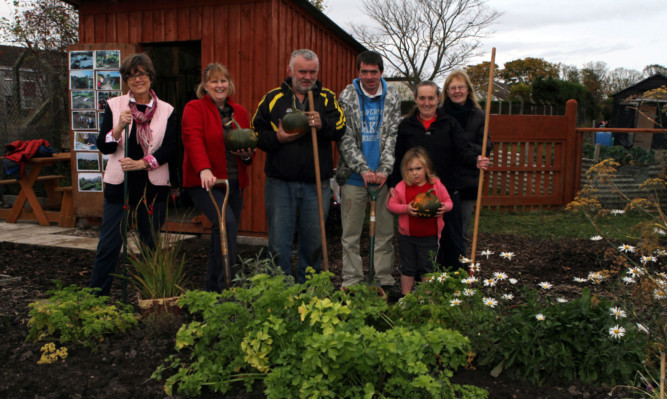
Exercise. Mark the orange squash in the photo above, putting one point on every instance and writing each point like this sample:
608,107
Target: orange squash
426,204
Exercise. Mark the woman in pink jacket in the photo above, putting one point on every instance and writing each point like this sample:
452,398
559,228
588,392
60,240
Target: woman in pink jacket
418,236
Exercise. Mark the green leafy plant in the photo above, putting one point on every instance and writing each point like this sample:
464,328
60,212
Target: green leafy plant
310,340
157,272
74,314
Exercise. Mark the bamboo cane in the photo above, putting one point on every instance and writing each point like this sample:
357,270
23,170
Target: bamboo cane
125,215
663,360
480,184
316,156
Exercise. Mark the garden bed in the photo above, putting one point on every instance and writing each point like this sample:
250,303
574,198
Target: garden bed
124,363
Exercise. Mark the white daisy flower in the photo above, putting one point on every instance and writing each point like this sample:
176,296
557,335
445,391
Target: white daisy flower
468,292
661,252
464,260
545,285
617,331
659,231
474,268
646,259
617,312
642,328
617,211
490,302
659,294
508,297
489,282
455,302
513,281
507,255
629,280
560,299
499,276
635,271
486,253
626,248
580,280
596,238
540,317
442,278
469,280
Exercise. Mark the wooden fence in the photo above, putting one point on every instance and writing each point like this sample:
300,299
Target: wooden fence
536,160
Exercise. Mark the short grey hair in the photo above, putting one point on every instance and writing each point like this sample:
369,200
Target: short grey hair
305,53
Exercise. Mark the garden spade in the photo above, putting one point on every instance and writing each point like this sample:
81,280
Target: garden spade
223,230
373,191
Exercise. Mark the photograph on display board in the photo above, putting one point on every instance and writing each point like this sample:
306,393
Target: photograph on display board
84,120
81,60
105,160
81,80
88,161
85,141
103,96
108,80
90,182
83,99
100,118
107,59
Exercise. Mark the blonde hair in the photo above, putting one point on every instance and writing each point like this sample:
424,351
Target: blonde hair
420,154
211,71
462,75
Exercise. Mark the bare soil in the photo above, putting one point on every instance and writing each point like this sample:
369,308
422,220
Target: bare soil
124,363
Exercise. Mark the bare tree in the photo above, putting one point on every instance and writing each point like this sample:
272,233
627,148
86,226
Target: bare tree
424,39
621,78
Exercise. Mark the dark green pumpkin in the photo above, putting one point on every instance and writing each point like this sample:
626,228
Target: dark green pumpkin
295,122
426,204
239,139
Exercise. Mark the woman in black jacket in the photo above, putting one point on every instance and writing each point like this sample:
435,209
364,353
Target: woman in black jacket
460,102
430,127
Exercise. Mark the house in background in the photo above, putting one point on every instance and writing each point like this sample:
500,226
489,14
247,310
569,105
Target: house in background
253,39
632,109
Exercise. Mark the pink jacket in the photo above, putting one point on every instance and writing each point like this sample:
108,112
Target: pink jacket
398,206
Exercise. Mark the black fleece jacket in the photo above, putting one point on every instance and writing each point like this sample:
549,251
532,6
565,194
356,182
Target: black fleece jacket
445,143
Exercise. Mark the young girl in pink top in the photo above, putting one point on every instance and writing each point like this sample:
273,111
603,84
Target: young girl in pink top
418,236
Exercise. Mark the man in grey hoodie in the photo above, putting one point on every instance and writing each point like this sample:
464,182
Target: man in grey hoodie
372,109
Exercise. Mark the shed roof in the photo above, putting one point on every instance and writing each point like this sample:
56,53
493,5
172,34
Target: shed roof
652,82
305,4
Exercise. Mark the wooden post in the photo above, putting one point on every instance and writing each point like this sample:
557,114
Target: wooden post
316,157
480,184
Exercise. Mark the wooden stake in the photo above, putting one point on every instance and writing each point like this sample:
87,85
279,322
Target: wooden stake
478,206
316,156
663,360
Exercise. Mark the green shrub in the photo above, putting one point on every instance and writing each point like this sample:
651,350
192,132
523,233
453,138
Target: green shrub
74,314
312,341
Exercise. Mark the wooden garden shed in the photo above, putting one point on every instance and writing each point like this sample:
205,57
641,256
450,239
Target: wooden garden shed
253,38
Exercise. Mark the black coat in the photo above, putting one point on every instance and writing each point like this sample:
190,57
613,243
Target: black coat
445,143
473,127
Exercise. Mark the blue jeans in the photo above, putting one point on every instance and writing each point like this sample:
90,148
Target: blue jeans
215,278
291,207
111,240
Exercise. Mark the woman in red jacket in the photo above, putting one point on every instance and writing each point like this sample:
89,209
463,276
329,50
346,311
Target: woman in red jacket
205,122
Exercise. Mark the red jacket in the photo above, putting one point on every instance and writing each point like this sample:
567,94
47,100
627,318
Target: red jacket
22,151
203,141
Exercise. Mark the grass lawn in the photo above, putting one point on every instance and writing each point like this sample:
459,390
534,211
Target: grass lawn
558,224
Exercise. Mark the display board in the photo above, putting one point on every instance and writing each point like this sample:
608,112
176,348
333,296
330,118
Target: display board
94,77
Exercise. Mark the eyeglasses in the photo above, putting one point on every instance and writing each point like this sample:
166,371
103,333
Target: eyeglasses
138,75
457,88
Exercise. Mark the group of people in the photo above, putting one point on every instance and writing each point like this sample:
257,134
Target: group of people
437,147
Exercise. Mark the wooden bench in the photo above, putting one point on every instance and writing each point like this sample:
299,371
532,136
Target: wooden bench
67,218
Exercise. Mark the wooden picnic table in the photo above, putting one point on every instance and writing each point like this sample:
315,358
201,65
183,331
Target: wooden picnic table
56,195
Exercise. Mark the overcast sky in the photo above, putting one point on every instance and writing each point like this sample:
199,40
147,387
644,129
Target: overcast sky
573,32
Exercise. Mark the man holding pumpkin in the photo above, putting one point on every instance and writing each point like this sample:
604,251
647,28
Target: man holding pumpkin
373,111
283,125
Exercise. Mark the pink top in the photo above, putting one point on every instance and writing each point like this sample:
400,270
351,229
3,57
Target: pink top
398,206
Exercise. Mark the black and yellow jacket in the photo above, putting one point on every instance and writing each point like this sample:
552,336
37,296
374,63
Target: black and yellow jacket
294,161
